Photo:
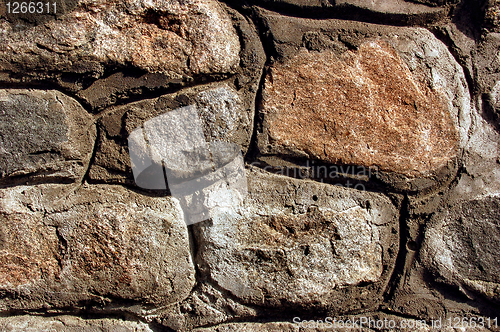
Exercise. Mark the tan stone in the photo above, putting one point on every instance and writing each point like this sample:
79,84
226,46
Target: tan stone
362,108
167,37
66,323
300,243
59,248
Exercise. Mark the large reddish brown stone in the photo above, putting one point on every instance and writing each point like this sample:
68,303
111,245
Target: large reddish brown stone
362,108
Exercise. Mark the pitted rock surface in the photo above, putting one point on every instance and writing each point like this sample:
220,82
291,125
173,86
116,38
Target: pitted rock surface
363,108
166,37
60,248
400,97
492,15
460,246
44,136
68,323
298,243
223,113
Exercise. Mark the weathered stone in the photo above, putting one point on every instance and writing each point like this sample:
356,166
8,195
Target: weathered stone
119,86
428,74
481,163
492,15
398,12
460,246
487,63
252,57
436,2
45,136
352,110
165,37
481,160
68,323
252,327
396,7
299,243
460,43
494,99
358,323
206,306
453,235
100,243
223,113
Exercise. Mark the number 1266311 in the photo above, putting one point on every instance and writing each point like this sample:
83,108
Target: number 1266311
31,8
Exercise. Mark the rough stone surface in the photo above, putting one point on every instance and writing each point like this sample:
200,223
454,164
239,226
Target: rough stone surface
67,323
120,86
221,108
199,309
167,37
436,2
460,42
300,244
460,246
427,58
250,327
487,65
352,110
398,12
394,7
492,15
487,62
44,136
481,162
434,74
98,243
370,135
494,99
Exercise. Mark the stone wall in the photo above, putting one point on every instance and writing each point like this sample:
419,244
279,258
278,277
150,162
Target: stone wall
370,132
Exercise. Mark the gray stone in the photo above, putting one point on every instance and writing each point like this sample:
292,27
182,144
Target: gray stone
45,136
300,243
252,327
487,77
120,86
435,2
487,62
206,306
165,37
221,108
494,99
398,12
395,7
66,323
481,161
492,15
461,246
357,323
61,248
460,43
